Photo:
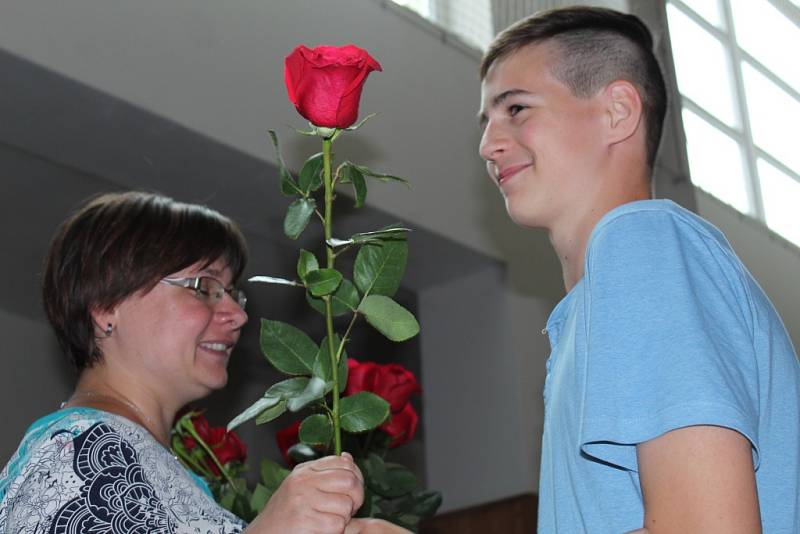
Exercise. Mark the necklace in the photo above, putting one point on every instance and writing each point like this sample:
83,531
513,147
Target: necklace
118,399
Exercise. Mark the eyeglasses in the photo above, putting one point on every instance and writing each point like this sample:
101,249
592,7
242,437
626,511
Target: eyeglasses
208,288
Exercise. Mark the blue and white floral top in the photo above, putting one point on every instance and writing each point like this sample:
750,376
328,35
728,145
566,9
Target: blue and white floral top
81,470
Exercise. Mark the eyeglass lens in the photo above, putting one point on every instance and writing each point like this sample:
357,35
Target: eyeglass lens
214,288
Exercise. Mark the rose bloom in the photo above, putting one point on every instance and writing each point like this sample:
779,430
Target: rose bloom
395,384
402,426
226,446
287,437
325,83
392,382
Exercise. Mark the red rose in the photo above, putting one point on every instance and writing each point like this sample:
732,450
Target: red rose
392,382
216,436
286,438
402,426
201,426
227,446
230,449
325,83
189,442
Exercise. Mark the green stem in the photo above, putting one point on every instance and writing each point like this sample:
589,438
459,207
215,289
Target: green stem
190,427
331,257
191,464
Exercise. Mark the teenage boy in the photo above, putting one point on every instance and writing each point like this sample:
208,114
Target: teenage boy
672,392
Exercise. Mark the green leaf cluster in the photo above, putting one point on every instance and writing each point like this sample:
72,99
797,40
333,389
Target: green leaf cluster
392,493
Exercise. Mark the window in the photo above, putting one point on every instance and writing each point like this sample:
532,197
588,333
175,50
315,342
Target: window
740,83
471,20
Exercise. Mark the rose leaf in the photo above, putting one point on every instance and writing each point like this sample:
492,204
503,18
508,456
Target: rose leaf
389,318
287,348
316,429
362,412
323,281
379,267
344,299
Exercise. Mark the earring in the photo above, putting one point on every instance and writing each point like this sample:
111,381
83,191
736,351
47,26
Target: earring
109,329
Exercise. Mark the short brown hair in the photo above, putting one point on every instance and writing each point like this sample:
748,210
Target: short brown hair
596,46
118,244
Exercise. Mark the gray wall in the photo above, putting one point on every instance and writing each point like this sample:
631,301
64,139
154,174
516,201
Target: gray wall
216,69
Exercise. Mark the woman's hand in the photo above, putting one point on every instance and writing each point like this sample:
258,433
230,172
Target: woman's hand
317,497
373,526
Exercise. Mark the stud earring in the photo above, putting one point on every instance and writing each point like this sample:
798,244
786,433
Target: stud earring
109,329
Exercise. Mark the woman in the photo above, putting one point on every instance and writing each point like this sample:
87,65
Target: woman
140,291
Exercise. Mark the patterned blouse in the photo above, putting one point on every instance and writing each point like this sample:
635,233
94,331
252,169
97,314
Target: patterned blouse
81,470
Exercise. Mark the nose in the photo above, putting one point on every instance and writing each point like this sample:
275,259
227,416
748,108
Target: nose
493,142
229,311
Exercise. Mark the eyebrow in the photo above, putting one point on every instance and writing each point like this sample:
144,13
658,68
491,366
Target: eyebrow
497,100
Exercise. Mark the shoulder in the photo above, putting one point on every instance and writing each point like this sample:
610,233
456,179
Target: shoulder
80,470
658,237
656,222
39,476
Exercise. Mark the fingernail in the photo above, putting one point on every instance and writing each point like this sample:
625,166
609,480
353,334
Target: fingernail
347,455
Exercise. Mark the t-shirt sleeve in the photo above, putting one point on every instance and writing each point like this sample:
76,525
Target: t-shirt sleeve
669,337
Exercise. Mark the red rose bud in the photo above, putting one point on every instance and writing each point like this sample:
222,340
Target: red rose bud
392,382
287,437
402,426
325,83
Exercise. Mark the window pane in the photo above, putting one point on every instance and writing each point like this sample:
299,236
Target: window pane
781,196
715,162
708,9
701,66
469,19
769,36
423,7
774,117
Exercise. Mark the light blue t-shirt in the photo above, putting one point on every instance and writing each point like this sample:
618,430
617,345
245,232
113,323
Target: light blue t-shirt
666,329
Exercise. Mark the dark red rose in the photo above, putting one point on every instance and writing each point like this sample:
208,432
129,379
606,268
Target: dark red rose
230,449
216,436
287,437
201,426
189,442
325,83
360,376
227,446
402,426
392,382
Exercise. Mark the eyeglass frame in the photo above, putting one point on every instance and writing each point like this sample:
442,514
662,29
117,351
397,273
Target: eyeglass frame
193,283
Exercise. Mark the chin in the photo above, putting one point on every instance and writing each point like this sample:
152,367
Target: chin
522,216
213,379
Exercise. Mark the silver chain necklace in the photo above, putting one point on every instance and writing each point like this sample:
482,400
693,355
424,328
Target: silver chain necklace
118,399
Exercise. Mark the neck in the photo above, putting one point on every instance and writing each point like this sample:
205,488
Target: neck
570,236
96,390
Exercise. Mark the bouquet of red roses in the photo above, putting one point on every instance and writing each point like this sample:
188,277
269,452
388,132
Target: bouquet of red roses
391,491
218,457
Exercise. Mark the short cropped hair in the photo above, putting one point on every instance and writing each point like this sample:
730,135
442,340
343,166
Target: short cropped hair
119,244
596,46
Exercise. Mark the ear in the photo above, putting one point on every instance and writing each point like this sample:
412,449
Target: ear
101,320
623,110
